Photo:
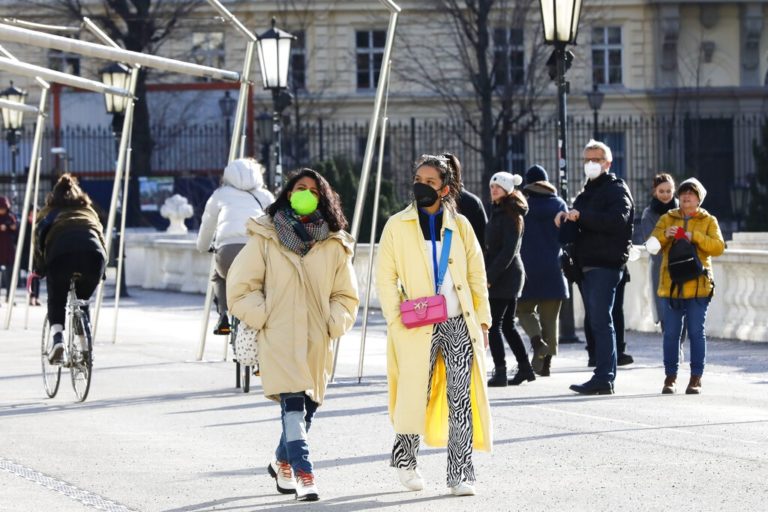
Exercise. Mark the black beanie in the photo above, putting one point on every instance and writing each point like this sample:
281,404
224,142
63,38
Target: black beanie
535,173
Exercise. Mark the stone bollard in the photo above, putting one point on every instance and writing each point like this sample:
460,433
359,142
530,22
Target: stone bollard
176,208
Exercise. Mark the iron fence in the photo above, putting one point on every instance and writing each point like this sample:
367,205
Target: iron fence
718,150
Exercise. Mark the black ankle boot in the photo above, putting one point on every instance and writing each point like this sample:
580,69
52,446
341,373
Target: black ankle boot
521,376
545,366
499,379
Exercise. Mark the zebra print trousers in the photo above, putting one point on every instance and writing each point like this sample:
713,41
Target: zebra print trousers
452,339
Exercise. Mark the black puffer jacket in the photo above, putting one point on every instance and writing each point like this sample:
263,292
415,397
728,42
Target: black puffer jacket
503,264
603,234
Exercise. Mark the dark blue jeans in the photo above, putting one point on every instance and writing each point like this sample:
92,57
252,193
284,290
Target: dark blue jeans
694,311
296,412
599,291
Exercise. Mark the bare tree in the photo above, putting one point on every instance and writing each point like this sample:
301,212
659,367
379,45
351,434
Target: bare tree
488,75
139,26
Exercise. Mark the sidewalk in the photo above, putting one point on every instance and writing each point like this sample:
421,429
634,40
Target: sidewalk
161,432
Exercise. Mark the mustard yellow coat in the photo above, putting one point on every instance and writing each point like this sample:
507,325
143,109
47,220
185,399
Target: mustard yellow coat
402,258
705,236
298,304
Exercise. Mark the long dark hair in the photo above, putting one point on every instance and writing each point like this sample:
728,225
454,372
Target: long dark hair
449,167
329,205
515,205
67,193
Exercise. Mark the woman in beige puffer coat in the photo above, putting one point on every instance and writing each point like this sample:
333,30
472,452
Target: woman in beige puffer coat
294,283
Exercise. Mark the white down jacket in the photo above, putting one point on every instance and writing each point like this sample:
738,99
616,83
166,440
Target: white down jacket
241,196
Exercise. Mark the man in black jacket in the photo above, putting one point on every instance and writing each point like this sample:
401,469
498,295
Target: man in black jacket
600,227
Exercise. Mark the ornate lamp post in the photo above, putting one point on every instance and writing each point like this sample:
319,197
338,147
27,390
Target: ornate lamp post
227,106
117,75
561,22
274,47
264,132
13,121
595,99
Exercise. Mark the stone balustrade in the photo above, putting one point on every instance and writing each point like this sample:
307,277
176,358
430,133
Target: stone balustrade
739,309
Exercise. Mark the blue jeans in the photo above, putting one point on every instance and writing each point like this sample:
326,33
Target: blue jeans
695,313
599,291
296,412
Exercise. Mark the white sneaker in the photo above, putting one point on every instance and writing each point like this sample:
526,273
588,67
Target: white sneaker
411,478
463,489
281,471
306,490
56,349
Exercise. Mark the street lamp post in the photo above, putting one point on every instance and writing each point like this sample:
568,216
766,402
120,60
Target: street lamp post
264,129
274,47
227,106
117,75
12,121
595,98
560,19
739,203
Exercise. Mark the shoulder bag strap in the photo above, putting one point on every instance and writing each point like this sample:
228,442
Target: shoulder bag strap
447,235
257,199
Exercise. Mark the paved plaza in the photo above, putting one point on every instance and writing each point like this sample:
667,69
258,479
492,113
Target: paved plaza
162,432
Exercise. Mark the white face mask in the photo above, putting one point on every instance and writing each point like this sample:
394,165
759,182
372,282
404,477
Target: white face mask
592,170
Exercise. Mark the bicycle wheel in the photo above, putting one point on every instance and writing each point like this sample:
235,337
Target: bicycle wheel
82,360
51,372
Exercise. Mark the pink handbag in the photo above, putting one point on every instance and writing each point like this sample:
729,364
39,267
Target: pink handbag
423,311
429,310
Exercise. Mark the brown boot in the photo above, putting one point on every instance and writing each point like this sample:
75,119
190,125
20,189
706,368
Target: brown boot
669,385
694,386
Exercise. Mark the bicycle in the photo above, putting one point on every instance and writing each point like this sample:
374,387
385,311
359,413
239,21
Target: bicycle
78,348
242,372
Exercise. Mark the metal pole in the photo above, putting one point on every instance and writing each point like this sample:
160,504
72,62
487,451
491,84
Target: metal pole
34,221
33,166
33,38
13,141
367,159
374,222
121,244
206,310
567,324
278,130
594,125
121,157
30,70
242,101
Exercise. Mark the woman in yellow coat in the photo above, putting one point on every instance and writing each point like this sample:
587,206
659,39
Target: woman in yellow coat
690,300
294,283
436,373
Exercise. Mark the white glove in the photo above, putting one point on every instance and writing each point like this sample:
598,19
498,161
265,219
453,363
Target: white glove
653,245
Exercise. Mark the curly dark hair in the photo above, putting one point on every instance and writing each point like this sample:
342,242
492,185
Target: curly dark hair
449,167
67,193
329,205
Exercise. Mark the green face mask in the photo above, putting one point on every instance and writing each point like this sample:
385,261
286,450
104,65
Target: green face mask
304,202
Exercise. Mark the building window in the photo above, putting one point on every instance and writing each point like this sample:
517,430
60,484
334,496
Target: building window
208,50
297,73
369,46
509,56
64,62
606,55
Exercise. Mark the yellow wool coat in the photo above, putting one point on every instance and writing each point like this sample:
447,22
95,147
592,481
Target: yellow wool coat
402,258
298,304
705,236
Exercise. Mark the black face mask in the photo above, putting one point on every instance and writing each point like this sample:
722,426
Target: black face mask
424,195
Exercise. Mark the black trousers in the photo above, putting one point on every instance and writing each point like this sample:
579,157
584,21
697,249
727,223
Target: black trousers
503,322
91,267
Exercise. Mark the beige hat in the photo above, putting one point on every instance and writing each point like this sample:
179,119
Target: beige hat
696,186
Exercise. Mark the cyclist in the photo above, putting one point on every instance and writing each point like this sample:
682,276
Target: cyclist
242,195
68,240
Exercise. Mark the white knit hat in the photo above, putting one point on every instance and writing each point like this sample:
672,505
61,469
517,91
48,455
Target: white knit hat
697,187
506,180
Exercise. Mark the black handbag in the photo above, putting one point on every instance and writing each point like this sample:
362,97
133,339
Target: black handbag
568,264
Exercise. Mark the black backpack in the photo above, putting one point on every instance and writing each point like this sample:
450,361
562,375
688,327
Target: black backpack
684,265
